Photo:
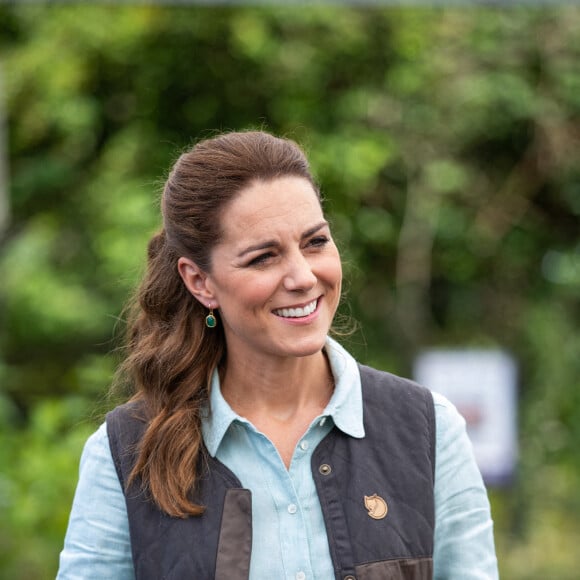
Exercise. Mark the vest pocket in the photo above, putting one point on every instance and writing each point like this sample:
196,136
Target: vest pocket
404,569
235,540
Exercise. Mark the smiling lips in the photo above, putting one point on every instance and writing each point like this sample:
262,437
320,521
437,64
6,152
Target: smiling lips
297,312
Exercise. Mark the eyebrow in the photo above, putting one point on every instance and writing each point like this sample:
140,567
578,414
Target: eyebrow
273,243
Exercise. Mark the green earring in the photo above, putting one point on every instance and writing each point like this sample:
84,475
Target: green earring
210,319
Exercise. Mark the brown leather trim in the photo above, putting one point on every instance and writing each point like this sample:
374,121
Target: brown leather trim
235,541
406,569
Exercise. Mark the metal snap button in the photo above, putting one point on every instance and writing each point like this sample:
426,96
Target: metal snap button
325,469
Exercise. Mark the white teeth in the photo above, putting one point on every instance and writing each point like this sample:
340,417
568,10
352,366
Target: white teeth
297,312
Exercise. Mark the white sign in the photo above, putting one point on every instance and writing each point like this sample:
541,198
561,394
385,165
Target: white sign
482,384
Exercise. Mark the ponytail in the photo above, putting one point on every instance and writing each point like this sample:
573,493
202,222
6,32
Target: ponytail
171,358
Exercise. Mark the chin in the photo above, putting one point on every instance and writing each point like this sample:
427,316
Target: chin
307,347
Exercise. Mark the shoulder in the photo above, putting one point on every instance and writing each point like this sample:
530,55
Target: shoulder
129,411
96,446
373,375
449,422
394,389
405,406
97,468
127,421
125,426
456,466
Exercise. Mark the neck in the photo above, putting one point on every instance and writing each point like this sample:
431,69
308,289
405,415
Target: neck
281,389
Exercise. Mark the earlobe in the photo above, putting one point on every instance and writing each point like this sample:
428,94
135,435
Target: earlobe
195,280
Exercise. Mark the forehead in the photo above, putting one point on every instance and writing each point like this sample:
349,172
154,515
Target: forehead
281,204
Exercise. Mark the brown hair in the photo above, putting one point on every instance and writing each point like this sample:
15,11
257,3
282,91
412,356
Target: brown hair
171,353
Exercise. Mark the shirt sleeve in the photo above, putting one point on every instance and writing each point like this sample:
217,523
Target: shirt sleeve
464,546
97,543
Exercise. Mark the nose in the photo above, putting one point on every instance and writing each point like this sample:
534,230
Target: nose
299,275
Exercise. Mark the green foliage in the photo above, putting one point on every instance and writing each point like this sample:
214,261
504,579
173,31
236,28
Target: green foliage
38,473
445,142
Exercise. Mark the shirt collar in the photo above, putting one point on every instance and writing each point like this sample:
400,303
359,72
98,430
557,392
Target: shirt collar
345,406
218,418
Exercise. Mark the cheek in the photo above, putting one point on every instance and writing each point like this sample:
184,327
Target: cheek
333,270
252,291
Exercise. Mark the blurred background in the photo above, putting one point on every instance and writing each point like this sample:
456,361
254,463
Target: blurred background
446,140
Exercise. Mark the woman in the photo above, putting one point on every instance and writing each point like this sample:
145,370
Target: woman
255,446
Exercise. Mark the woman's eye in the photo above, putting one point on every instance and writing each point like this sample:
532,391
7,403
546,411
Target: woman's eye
318,241
261,259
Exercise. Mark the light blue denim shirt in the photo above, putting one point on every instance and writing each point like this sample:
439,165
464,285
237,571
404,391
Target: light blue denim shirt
289,536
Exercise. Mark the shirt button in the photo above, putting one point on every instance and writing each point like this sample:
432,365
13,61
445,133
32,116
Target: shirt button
292,508
322,421
304,445
300,576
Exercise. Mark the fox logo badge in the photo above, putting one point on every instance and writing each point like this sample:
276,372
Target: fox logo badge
376,506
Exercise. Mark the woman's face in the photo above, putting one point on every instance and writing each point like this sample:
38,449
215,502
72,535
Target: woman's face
276,274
